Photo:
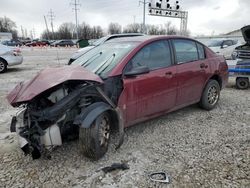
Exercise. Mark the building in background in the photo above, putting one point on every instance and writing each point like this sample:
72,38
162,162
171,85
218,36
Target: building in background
5,36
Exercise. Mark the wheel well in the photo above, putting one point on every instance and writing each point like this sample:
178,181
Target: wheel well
115,120
3,60
218,79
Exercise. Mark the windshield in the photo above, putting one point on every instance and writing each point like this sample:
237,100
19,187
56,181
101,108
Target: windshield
99,41
214,43
102,59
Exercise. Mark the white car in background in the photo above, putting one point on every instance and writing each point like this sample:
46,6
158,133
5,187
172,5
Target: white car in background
9,56
223,46
99,42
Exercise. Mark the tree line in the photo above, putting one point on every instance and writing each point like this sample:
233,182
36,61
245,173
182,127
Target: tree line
85,31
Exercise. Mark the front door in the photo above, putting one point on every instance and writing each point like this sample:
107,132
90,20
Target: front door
153,93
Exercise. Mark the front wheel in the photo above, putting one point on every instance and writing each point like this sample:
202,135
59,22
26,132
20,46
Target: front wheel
210,95
94,141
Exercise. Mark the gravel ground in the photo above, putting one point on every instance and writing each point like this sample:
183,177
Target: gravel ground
195,147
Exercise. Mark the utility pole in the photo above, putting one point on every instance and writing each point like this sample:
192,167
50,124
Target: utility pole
34,33
75,8
46,27
22,32
51,16
144,15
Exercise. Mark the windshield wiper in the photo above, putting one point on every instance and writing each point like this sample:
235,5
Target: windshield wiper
105,63
86,63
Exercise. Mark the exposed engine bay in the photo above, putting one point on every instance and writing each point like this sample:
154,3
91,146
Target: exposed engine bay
55,115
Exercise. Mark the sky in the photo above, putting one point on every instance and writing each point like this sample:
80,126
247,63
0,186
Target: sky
205,17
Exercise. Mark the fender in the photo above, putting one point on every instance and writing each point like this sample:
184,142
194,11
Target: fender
89,114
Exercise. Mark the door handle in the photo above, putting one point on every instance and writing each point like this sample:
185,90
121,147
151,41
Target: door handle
169,74
203,66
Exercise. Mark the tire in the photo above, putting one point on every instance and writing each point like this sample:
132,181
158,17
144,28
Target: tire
242,83
94,141
3,66
210,95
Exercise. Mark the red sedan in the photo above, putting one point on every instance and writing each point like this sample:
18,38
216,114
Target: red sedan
118,84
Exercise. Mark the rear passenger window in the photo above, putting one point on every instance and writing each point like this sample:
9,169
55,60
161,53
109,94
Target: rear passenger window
201,51
185,51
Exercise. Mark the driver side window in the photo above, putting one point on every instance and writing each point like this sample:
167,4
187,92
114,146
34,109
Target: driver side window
155,55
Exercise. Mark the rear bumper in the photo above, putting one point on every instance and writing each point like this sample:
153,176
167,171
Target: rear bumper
14,60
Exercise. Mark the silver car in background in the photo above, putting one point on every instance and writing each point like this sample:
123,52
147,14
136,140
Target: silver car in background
9,56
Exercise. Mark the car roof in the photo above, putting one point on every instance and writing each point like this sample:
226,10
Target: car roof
144,38
126,34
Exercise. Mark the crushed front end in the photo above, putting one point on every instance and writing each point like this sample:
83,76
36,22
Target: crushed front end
46,121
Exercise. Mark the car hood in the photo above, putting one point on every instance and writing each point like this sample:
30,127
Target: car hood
246,33
46,79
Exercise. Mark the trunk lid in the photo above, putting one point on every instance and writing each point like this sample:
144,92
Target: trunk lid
46,79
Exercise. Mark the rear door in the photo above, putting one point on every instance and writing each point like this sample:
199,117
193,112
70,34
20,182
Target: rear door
154,92
192,70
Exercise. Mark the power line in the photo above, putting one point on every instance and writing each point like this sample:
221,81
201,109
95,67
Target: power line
75,5
51,16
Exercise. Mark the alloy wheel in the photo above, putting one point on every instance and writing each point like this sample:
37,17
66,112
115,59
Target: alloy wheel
104,131
213,95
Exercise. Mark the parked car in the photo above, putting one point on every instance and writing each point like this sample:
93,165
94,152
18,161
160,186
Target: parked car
243,51
9,57
98,42
12,43
113,86
223,46
38,43
63,43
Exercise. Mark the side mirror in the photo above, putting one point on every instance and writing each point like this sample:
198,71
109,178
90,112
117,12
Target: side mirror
137,71
224,46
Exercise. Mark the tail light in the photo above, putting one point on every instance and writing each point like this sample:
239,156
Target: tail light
17,52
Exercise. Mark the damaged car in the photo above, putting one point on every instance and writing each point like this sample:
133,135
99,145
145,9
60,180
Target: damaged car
114,86
243,51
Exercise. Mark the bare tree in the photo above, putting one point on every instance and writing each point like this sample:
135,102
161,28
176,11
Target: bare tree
48,35
7,25
114,28
171,30
65,31
133,28
152,30
96,32
84,31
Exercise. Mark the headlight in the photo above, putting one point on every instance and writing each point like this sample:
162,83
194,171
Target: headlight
234,55
20,119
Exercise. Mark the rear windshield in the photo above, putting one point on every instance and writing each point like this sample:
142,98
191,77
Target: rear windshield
102,59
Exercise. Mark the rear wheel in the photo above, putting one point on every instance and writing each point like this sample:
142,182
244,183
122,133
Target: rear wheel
242,83
210,95
94,141
3,66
